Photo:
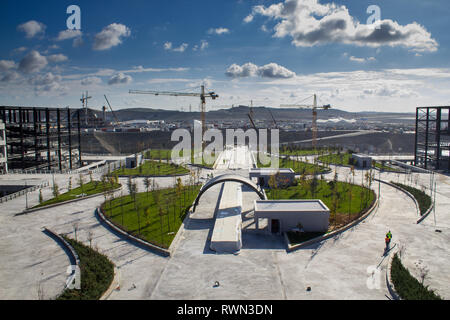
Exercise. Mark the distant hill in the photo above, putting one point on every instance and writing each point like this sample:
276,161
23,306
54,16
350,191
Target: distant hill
260,113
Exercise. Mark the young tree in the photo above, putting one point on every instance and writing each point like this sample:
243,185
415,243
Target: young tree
179,189
55,190
81,182
147,184
90,237
161,214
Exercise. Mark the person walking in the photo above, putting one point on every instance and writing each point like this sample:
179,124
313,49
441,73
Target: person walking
388,240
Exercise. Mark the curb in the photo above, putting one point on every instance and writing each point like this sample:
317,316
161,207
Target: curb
163,176
147,245
63,203
421,218
73,254
291,248
389,283
115,284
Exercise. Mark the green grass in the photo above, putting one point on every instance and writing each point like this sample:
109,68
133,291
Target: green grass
408,287
97,273
422,198
166,154
298,166
122,212
303,152
89,189
153,168
342,159
300,237
346,210
383,167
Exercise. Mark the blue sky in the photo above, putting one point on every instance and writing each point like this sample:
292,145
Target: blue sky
271,52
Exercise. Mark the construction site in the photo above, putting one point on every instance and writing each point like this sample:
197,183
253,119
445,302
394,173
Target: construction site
311,227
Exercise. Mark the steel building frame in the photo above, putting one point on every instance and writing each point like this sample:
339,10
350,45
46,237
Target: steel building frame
432,144
42,138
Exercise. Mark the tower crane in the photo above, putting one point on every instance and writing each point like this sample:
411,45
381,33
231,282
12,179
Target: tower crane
314,108
115,117
203,95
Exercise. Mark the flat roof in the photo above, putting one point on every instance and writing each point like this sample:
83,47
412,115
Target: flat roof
271,170
361,155
290,205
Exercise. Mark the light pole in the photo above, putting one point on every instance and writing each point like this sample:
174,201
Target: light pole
26,195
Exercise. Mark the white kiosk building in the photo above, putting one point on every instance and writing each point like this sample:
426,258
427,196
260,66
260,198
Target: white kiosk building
286,215
285,176
362,160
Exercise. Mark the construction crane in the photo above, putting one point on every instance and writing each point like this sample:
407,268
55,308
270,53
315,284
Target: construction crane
115,117
314,108
273,118
84,100
203,95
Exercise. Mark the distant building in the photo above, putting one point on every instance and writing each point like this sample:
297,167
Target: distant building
362,161
133,161
284,176
432,143
3,149
288,215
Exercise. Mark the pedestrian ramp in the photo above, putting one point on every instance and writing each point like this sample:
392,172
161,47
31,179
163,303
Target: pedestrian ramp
227,233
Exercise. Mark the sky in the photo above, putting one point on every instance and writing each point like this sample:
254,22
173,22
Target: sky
393,57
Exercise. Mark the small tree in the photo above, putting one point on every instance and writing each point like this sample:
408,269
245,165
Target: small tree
55,190
81,182
75,229
90,236
147,183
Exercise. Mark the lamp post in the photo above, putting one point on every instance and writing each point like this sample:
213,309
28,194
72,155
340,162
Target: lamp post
26,195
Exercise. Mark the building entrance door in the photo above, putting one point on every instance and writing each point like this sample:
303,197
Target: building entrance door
275,226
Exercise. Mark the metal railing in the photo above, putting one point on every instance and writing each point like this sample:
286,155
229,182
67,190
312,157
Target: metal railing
23,192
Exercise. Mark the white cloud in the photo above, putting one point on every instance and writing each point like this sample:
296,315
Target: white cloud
90,81
6,65
111,36
33,62
203,45
68,34
9,76
361,60
32,28
271,70
120,78
19,50
77,42
55,58
46,79
310,23
248,18
167,45
218,31
181,48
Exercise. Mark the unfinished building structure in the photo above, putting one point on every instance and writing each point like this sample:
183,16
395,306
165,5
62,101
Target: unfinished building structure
42,138
432,144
